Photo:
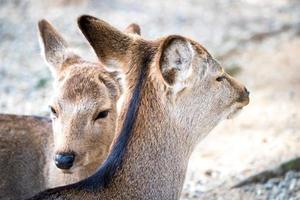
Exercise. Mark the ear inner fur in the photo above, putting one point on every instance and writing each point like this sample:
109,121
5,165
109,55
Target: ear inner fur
55,48
169,75
46,29
54,44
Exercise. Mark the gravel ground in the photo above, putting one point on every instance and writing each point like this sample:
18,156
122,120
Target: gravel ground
258,41
279,183
281,188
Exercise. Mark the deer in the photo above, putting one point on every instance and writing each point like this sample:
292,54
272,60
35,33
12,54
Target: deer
24,145
36,153
176,94
83,109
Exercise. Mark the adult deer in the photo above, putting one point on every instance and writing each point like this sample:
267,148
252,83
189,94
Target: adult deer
32,157
178,93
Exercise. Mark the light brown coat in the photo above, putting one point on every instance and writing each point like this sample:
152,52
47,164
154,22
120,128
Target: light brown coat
177,93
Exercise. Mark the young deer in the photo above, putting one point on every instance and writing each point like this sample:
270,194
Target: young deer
32,158
83,109
178,93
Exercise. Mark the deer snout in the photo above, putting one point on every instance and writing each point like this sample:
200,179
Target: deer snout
244,96
246,91
64,160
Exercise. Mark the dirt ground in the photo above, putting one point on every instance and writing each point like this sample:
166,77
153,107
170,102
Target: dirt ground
257,41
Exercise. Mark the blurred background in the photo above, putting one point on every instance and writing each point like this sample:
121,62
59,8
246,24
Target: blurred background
257,41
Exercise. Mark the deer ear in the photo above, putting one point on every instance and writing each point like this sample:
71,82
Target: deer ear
110,44
54,47
133,29
176,55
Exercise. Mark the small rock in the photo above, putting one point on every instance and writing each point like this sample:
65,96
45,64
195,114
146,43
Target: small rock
282,184
292,184
259,192
290,175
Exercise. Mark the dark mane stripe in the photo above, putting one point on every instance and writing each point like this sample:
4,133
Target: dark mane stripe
105,173
114,161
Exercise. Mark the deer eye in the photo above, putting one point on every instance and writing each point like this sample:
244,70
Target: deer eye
102,114
220,78
53,111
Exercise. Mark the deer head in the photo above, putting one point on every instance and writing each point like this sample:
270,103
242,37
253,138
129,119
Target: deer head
83,109
191,83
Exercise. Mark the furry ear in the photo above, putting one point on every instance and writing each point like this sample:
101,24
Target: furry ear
55,48
133,29
110,44
176,56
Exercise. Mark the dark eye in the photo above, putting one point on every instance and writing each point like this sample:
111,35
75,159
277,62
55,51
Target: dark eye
53,111
220,78
102,114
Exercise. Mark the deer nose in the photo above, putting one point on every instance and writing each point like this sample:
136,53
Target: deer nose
64,160
247,91
244,96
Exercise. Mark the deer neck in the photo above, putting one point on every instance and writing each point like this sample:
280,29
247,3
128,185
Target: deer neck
156,157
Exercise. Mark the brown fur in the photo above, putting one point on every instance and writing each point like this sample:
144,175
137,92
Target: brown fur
27,144
24,144
133,29
180,101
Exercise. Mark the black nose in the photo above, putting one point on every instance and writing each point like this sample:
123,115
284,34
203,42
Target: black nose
244,96
64,160
247,91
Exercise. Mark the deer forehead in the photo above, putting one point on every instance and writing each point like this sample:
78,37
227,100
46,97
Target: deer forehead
83,86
